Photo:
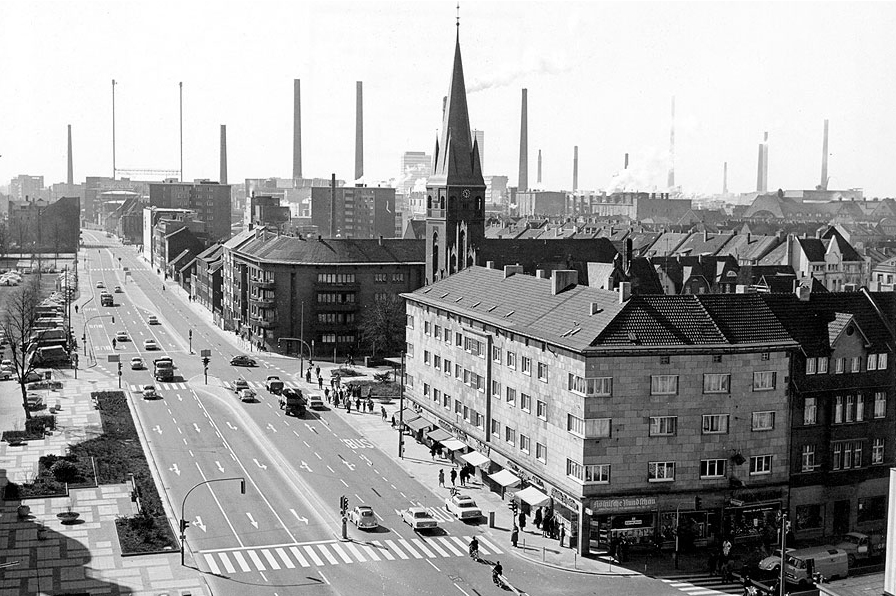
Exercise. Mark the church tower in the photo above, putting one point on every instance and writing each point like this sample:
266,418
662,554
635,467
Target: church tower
455,193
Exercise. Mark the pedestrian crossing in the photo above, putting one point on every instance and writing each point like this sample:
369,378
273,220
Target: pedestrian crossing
323,554
703,585
260,384
159,386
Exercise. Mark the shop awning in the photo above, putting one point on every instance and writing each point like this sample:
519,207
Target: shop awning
533,496
505,478
418,424
453,445
439,434
474,458
408,414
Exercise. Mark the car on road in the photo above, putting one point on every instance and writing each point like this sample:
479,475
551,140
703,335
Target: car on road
463,507
363,517
122,336
772,563
315,402
149,392
137,363
35,401
419,518
247,395
153,320
100,285
6,373
242,361
240,384
6,363
118,290
150,344
273,384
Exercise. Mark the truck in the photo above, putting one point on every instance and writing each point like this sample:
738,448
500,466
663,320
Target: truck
293,402
106,299
273,384
861,546
163,369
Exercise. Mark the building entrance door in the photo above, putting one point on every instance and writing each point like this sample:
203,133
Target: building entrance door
841,517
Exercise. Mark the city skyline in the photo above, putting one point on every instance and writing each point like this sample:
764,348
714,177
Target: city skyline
599,76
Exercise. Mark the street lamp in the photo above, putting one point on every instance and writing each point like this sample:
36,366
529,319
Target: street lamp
184,523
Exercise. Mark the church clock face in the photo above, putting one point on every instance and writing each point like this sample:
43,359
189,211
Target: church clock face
466,193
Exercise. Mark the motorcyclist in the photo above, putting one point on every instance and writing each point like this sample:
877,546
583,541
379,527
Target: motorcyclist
497,570
474,548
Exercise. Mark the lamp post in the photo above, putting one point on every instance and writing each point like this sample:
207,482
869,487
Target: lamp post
783,550
302,339
184,523
401,410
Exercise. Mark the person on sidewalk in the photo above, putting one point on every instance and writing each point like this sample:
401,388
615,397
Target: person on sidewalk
537,519
453,476
462,476
522,520
317,370
308,376
383,410
320,382
442,478
563,533
514,536
327,395
432,451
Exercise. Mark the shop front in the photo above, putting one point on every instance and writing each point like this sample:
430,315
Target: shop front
632,519
751,523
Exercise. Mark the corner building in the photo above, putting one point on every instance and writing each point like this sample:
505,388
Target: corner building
628,416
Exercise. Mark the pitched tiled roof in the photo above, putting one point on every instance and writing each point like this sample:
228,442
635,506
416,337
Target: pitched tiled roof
813,248
835,327
804,324
291,249
659,321
862,309
744,318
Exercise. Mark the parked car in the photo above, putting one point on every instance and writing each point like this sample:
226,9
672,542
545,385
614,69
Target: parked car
6,373
772,562
242,361
150,344
35,401
861,546
32,376
153,320
137,363
240,384
363,517
149,392
247,395
419,519
463,507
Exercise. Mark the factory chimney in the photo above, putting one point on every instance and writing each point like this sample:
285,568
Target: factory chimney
575,168
296,129
359,133
671,181
524,146
70,180
765,163
539,167
223,176
725,178
626,161
824,157
333,206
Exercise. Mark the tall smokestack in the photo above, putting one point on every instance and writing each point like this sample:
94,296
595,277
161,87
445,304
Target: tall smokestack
824,156
223,176
759,170
765,163
359,133
524,145
333,206
296,129
626,161
539,167
180,87
70,180
575,168
671,181
725,178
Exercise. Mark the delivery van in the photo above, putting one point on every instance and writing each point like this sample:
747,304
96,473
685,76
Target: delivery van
827,561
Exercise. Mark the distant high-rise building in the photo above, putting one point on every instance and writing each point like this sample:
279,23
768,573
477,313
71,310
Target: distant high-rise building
210,201
24,185
360,211
415,165
479,138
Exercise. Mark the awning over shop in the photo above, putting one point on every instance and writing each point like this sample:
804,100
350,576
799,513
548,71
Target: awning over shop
453,445
408,414
418,424
505,478
533,496
474,458
439,434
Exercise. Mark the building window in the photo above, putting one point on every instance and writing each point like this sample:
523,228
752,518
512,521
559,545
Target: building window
436,396
425,356
458,407
714,424
524,443
808,458
437,332
511,360
381,296
847,455
458,372
335,278
437,361
346,298
473,346
427,328
409,380
541,409
446,367
663,384
882,361
839,366
716,357
447,335
810,366
525,365
763,421
525,402
661,471
511,396
880,404
397,278
822,366
496,389
575,470
496,354
810,517
409,347
872,509
856,364
425,389
597,428
575,425
877,451
541,453
664,359
458,339
760,464
380,278
849,408
763,380
446,401
543,372
765,356
496,428
810,411
712,468
872,362
663,426
410,321
716,383
600,386
597,473
510,435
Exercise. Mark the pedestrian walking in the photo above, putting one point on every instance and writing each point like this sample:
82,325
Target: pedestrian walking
348,406
462,476
748,586
522,520
562,533
358,403
369,403
393,420
320,382
537,519
546,523
514,536
308,376
383,410
327,395
453,476
317,370
442,478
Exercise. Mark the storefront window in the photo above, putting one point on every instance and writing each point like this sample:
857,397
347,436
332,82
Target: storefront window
752,523
872,509
809,517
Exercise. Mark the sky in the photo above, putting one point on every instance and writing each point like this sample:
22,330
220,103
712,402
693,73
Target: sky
600,75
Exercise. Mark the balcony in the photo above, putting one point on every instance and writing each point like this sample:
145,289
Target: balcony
264,285
264,324
262,302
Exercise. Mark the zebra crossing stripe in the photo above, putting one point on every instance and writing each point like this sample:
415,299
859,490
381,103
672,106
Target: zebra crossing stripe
432,544
241,561
397,550
383,550
227,564
341,553
410,549
419,544
285,558
256,560
458,541
298,555
212,565
356,552
313,555
271,560
495,550
327,554
447,544
370,552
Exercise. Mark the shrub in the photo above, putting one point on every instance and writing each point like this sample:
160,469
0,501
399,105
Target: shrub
64,471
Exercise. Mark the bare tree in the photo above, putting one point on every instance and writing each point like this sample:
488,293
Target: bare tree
18,325
382,325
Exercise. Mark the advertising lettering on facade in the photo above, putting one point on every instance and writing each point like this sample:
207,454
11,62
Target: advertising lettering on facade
565,499
623,504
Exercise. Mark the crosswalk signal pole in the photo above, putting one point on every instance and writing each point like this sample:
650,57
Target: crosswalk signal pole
119,374
205,362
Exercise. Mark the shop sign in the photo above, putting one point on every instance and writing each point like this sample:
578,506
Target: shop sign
624,504
565,499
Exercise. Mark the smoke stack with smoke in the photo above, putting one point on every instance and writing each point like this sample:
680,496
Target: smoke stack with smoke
575,168
725,178
671,181
70,179
539,167
626,161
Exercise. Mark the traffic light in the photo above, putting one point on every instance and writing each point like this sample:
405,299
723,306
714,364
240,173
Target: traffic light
343,504
512,506
184,524
113,319
119,368
697,503
205,361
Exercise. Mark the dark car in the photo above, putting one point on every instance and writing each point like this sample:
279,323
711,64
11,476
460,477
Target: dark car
242,361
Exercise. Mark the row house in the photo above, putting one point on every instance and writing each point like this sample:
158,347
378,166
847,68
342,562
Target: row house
827,258
629,416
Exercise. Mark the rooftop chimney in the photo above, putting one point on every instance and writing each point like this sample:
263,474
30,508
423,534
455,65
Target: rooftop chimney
824,158
575,168
512,270
524,146
490,264
671,181
71,171
359,133
296,129
625,291
725,178
563,279
223,176
539,167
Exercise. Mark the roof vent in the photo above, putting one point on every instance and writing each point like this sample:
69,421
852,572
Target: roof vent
625,291
490,264
443,295
512,270
563,279
510,313
595,308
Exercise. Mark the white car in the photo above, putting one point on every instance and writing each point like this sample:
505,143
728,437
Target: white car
149,392
122,336
118,290
100,285
419,519
463,507
316,403
247,395
153,320
137,363
773,561
6,373
363,517
150,344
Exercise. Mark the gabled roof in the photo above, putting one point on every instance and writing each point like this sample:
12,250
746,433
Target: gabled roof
212,253
239,239
293,250
415,230
840,322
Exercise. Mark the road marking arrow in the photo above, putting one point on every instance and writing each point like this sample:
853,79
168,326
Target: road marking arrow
174,469
252,520
232,427
196,426
260,465
301,519
198,523
271,426
305,466
157,428
220,467
311,428
350,466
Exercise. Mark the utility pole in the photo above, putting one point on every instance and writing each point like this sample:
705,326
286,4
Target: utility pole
401,409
